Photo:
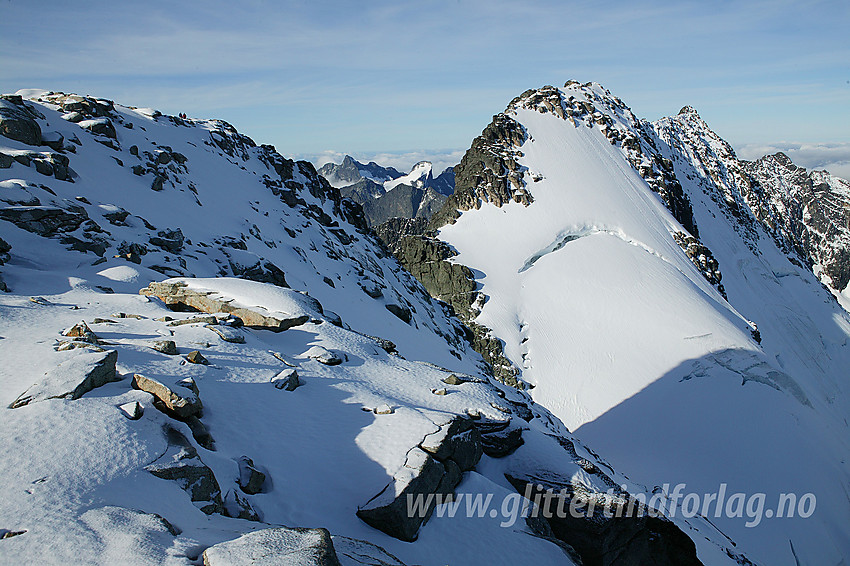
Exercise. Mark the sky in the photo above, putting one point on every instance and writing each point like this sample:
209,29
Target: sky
405,80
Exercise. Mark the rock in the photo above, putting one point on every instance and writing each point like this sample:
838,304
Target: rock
360,552
169,240
200,432
323,356
194,320
18,123
132,410
54,140
383,409
458,440
239,507
6,533
183,406
502,443
73,117
177,296
401,312
287,379
45,221
228,334
453,380
421,475
440,391
626,541
181,464
372,289
273,547
165,347
251,480
100,126
197,358
82,332
72,378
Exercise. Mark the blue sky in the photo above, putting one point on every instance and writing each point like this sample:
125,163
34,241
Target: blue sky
412,79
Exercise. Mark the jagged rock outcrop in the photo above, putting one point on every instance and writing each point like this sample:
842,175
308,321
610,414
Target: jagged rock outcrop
393,230
488,172
810,210
628,540
17,120
78,374
434,467
280,545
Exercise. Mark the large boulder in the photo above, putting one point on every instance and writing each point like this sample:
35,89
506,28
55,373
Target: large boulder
432,469
179,297
271,547
17,122
182,403
78,374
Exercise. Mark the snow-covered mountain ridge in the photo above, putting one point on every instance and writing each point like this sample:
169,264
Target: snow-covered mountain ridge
662,298
312,378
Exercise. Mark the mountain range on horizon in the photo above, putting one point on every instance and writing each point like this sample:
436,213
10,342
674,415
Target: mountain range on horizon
217,355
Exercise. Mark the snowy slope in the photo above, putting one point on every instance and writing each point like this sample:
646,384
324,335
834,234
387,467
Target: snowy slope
626,341
77,471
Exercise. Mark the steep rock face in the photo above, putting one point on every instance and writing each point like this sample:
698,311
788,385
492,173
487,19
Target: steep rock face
805,212
813,210
402,201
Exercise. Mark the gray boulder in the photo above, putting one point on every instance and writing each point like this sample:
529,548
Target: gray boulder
77,375
251,479
181,464
272,547
17,122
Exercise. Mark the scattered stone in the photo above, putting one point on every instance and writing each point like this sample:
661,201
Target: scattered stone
65,345
251,480
323,356
271,547
72,378
196,357
401,312
165,347
228,334
287,379
182,464
440,391
82,332
40,301
6,533
280,357
100,126
453,380
200,432
384,409
194,320
183,406
165,318
103,321
132,410
239,507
